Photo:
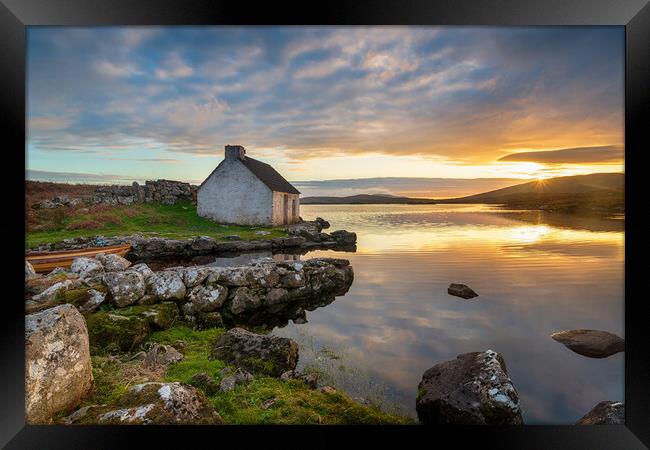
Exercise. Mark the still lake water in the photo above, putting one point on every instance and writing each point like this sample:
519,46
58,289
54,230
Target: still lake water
535,274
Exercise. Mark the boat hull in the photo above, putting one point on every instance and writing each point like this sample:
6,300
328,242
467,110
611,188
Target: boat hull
47,261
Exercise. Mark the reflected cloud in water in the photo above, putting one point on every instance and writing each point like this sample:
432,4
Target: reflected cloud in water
533,279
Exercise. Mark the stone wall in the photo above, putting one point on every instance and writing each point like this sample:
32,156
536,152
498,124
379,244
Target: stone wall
167,192
265,292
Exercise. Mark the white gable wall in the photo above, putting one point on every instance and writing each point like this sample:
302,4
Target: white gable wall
232,194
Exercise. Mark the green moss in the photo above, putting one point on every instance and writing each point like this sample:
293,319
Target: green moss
178,221
421,393
110,332
76,296
295,403
198,344
160,316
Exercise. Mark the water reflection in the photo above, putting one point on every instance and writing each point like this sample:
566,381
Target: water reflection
533,278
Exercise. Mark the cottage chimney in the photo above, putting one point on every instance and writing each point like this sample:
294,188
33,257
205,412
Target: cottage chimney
235,151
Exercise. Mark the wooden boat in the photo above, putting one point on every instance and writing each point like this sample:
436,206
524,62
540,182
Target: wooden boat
47,261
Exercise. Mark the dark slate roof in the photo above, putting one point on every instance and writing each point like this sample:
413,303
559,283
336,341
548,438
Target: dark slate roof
269,176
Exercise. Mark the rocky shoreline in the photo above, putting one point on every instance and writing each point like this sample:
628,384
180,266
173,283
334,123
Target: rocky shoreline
303,236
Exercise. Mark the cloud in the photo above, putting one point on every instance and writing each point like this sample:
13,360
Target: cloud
576,155
173,67
114,70
463,95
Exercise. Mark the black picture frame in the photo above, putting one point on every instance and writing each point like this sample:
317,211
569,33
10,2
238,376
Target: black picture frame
16,15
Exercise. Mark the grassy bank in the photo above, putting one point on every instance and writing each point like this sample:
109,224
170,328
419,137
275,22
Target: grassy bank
293,401
178,221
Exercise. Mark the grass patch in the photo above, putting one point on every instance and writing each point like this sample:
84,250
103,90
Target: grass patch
178,221
293,401
198,345
296,404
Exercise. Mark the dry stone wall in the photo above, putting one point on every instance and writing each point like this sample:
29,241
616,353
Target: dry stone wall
167,192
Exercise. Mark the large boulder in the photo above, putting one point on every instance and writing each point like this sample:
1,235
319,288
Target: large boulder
473,389
605,413
208,298
258,353
58,373
591,343
152,403
125,288
166,285
87,267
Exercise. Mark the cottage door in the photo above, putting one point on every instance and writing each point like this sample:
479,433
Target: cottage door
286,209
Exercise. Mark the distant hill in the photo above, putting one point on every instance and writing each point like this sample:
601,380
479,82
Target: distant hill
577,184
364,199
599,192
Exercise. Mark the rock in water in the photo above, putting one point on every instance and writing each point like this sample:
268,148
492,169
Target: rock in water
473,389
605,413
461,290
58,373
591,343
257,353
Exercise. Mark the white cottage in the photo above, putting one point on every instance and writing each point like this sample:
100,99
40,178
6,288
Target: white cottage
245,191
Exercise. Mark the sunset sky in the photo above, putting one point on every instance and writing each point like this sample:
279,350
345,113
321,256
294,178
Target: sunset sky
421,111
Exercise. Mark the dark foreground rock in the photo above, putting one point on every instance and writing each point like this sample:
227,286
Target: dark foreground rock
153,403
461,290
591,343
473,389
58,372
605,413
257,353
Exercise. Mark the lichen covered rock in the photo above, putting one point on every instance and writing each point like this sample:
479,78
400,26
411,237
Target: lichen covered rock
58,372
473,389
154,403
86,267
125,288
113,262
257,353
208,298
166,285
